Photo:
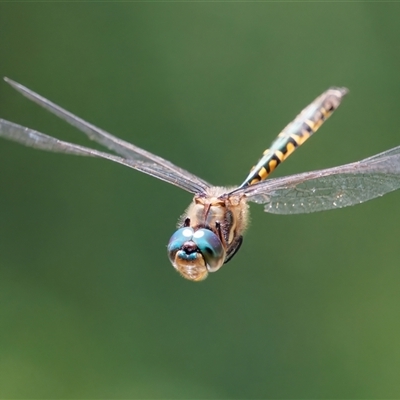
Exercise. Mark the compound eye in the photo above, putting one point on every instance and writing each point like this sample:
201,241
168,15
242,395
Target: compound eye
177,240
210,247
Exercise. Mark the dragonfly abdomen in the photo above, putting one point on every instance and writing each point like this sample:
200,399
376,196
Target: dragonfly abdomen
296,133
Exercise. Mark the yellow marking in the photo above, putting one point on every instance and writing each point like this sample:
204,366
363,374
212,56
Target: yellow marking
318,124
298,139
280,155
324,112
305,136
254,181
266,151
272,165
311,124
290,148
262,173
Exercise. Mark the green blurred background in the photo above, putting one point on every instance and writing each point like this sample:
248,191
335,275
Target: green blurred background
89,304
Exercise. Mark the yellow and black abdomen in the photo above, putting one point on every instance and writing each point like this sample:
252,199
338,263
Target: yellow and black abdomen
296,133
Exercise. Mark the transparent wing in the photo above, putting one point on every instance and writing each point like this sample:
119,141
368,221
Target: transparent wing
330,188
131,155
35,139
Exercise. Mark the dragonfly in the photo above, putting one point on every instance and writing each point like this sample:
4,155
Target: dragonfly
210,231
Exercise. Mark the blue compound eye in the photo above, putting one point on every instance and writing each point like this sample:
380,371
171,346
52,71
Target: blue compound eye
195,253
177,240
210,247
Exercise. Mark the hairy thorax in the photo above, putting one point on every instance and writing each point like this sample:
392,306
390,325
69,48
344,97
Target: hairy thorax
214,209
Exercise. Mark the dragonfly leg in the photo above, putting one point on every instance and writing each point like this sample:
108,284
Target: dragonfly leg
234,247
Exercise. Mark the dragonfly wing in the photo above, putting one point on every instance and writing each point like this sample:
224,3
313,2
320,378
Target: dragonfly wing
35,139
330,188
125,149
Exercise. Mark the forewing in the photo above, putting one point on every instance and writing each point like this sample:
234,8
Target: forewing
35,139
330,188
152,164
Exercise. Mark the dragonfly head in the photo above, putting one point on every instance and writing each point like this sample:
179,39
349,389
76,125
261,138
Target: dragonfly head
195,253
